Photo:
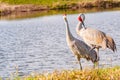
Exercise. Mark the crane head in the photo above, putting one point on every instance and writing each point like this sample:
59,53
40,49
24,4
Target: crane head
64,17
81,18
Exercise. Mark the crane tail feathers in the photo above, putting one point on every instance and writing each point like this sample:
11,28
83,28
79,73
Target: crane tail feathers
111,44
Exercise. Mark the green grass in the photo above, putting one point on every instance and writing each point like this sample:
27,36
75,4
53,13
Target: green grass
48,3
87,74
43,2
52,4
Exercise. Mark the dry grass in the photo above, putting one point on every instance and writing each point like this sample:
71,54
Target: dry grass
10,6
93,74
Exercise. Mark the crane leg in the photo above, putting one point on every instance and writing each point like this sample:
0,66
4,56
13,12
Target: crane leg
78,58
97,50
80,65
92,48
97,63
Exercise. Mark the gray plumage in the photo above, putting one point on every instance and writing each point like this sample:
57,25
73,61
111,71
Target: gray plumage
78,47
93,37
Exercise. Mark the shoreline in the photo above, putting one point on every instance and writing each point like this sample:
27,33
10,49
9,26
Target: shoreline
111,73
7,9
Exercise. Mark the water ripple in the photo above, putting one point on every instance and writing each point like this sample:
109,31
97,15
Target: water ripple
40,45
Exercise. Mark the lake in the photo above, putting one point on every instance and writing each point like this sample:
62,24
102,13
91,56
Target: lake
37,42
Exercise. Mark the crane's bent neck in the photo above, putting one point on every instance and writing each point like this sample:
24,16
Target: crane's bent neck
69,36
79,27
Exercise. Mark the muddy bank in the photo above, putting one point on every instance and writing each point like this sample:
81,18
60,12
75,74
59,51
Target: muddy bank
6,9
93,4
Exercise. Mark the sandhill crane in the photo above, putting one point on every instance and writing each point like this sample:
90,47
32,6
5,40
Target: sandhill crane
93,37
79,48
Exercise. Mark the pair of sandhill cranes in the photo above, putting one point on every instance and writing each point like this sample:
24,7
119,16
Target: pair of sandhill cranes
93,40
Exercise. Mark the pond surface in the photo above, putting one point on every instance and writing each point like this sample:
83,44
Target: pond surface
38,44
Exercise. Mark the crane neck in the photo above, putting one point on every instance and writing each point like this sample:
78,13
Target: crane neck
79,27
69,36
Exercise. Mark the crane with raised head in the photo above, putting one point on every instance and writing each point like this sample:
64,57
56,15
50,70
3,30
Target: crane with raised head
93,37
78,47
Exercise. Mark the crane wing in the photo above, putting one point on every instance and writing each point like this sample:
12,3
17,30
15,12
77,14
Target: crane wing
94,37
111,43
84,50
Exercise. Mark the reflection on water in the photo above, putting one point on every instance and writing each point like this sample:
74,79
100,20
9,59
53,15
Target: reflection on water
39,44
23,15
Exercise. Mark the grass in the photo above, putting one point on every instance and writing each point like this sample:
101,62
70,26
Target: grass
36,5
93,74
58,4
46,2
43,2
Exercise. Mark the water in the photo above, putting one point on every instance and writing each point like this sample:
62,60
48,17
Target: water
38,44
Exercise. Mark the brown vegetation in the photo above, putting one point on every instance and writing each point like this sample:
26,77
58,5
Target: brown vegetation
6,9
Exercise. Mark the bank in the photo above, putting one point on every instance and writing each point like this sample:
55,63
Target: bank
9,6
76,74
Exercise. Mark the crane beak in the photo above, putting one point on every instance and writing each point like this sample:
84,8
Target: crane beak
83,24
81,20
